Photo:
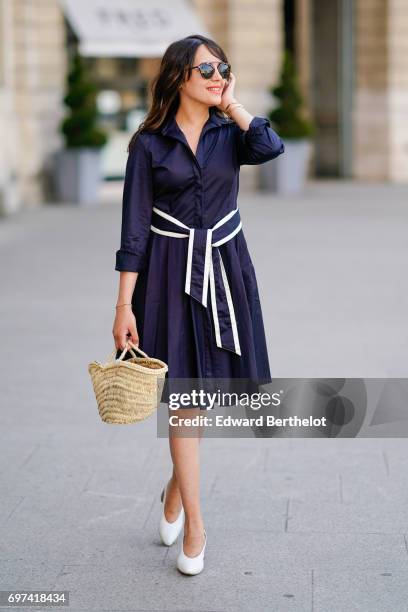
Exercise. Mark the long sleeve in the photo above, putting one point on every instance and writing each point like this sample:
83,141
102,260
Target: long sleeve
259,143
137,206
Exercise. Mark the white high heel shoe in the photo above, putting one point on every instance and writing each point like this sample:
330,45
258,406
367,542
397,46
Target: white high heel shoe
191,565
169,532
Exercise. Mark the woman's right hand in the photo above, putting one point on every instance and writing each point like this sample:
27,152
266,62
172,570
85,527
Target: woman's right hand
124,326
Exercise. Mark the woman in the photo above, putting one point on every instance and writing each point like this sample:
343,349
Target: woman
192,303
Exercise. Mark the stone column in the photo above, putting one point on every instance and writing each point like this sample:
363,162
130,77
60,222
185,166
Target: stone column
397,33
39,67
381,107
303,43
371,107
8,129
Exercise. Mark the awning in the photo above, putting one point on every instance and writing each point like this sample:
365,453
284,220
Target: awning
130,28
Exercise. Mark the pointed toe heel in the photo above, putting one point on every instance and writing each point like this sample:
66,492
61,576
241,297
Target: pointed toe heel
169,532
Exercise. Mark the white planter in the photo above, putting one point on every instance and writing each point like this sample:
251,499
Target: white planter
78,175
9,203
287,173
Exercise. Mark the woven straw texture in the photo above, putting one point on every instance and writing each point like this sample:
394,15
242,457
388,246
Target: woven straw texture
127,391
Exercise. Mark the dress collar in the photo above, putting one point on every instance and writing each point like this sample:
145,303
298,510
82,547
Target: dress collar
171,128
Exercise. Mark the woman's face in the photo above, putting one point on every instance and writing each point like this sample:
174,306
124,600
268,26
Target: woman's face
198,88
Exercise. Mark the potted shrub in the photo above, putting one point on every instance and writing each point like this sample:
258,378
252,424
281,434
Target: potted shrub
288,172
78,166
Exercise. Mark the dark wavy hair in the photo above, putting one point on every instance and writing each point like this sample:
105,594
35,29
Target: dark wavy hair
175,68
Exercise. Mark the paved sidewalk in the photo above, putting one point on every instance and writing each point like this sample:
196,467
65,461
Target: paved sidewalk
306,525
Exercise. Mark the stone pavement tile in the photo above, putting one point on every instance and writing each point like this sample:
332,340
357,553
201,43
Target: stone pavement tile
360,590
8,505
86,527
47,479
361,517
331,462
396,457
105,543
88,508
20,574
304,551
358,488
56,406
19,442
25,540
45,467
279,445
276,483
14,459
73,466
136,435
288,557
252,512
75,431
222,589
328,446
252,454
238,458
120,482
399,446
96,434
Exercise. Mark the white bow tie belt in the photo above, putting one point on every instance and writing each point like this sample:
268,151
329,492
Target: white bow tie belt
205,269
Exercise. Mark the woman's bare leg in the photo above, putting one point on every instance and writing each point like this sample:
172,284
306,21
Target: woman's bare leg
184,485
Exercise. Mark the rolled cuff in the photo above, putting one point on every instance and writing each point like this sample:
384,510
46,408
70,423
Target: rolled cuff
129,262
257,125
259,143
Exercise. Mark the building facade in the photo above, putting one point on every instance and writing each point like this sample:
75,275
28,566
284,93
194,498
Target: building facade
351,60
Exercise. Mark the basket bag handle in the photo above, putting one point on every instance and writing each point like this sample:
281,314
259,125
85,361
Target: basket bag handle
128,346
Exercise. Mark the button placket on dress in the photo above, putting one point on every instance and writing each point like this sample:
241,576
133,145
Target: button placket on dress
198,219
205,313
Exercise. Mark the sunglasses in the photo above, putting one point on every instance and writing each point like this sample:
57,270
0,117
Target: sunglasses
207,69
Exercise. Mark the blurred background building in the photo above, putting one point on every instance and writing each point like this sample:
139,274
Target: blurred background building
350,55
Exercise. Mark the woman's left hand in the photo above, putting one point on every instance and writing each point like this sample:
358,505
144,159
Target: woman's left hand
228,93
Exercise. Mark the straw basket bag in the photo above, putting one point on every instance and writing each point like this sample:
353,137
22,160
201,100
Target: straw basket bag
127,391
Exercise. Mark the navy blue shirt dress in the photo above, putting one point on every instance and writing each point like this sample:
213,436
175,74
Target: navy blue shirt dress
196,299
